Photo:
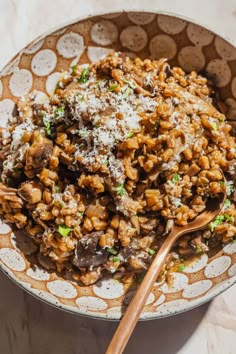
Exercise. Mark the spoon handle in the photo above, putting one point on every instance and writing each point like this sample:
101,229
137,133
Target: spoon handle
131,316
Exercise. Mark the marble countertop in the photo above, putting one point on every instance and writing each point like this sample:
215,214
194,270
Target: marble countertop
28,326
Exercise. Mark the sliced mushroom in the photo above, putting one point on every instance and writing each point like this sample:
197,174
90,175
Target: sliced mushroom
38,155
87,253
31,192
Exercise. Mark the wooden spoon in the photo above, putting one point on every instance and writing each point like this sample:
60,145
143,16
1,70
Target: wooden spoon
131,316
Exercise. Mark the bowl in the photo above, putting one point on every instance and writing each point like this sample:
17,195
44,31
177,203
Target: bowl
37,68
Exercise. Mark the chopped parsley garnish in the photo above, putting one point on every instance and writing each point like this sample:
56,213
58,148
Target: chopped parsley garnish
84,76
47,125
150,251
120,189
229,218
59,112
219,220
220,120
57,189
112,250
181,267
112,88
96,84
231,188
64,230
73,67
222,183
227,204
130,134
127,92
81,213
131,85
198,249
116,259
214,126
175,178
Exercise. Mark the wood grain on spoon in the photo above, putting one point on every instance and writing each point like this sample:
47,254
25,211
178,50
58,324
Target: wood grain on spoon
131,316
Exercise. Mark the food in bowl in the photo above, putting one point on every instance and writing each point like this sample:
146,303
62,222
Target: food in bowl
99,173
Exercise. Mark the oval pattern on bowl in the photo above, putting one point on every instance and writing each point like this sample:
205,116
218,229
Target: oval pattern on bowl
134,38
12,259
6,108
217,267
70,45
37,68
62,289
171,25
162,46
20,82
91,303
104,32
196,289
108,289
44,62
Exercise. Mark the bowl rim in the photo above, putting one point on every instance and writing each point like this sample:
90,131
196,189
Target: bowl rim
93,314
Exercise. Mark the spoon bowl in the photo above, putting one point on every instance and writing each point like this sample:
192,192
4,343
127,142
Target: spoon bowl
131,316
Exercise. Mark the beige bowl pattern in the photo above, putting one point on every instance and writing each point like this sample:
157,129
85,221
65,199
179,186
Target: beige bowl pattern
37,68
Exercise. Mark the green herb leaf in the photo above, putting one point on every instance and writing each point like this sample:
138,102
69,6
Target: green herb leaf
131,85
227,204
112,88
112,250
47,125
81,213
96,84
217,221
150,251
59,112
73,67
214,126
84,76
220,120
175,178
130,134
127,92
64,230
231,188
198,249
120,190
116,259
181,267
222,183
228,218
57,189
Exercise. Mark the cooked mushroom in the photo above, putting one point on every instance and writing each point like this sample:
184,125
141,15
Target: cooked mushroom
31,192
87,253
38,155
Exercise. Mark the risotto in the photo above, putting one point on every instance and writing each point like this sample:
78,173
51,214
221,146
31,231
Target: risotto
99,173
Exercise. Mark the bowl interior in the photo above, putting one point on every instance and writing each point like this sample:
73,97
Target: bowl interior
37,68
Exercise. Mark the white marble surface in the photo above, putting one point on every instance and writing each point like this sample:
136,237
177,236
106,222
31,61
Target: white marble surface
28,326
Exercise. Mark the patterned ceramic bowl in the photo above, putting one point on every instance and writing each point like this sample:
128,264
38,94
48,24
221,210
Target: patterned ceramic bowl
37,67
